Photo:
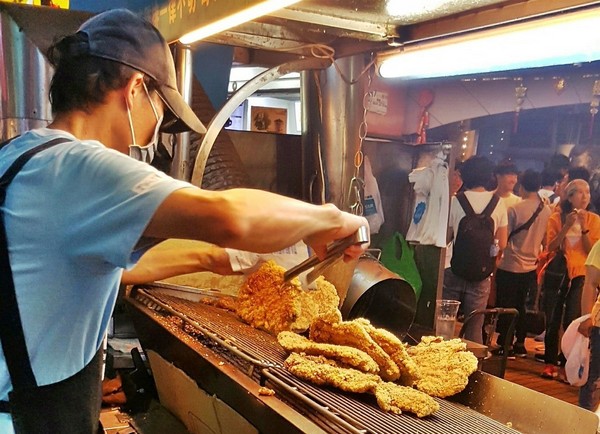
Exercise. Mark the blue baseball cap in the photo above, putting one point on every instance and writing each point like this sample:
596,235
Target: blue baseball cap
124,37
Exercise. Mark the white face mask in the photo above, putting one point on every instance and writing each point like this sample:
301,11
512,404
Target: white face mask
145,153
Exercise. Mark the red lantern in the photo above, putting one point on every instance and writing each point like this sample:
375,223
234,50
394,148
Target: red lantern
425,100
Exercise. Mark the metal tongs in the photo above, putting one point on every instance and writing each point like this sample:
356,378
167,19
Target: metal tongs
334,252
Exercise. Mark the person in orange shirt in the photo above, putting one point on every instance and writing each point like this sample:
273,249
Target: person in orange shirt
573,229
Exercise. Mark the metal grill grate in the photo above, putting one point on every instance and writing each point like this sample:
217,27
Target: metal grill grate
336,411
358,411
221,325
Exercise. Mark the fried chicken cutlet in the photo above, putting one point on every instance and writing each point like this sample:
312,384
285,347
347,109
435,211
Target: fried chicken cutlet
266,302
331,329
351,357
445,365
390,396
409,371
324,372
395,398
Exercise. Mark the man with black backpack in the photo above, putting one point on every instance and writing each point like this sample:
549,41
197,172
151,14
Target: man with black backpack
478,225
516,274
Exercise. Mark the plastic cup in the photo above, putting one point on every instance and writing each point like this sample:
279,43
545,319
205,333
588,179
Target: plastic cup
445,317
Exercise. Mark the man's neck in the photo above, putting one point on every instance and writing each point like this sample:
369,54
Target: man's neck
477,189
503,193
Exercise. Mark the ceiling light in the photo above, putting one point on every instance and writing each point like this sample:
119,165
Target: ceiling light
416,11
400,8
243,16
558,40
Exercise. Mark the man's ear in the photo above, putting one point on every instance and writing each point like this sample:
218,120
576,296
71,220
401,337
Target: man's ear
133,87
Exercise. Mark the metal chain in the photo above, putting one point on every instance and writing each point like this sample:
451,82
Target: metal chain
357,184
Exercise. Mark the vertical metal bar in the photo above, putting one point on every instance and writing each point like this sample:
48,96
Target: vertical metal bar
336,109
180,168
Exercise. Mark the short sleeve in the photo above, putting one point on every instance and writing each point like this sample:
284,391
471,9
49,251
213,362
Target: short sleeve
116,196
593,222
501,215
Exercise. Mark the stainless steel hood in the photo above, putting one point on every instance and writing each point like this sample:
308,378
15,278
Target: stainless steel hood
25,34
357,26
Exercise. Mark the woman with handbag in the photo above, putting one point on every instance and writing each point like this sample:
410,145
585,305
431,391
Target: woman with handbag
572,230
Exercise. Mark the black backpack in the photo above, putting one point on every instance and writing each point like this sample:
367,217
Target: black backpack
471,258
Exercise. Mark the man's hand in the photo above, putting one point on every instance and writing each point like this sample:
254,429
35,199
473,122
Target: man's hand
350,223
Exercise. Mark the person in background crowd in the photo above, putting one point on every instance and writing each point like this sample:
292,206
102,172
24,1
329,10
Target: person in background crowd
82,211
506,177
550,180
578,172
581,172
555,174
559,163
516,274
589,157
573,173
583,156
456,182
573,229
456,186
476,173
589,393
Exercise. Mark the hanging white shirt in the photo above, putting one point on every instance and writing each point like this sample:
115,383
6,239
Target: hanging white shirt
429,219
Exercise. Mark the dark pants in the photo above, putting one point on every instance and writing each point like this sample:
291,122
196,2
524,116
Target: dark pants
511,291
549,299
71,406
589,393
566,309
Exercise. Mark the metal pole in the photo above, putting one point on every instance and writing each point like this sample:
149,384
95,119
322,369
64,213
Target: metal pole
180,168
335,111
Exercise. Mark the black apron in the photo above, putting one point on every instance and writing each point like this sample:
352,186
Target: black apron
69,406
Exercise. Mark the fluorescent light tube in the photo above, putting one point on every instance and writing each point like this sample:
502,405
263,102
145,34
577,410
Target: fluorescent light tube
236,19
562,39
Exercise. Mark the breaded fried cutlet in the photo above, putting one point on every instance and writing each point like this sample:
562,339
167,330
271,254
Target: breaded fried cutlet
395,398
265,301
327,330
325,372
409,371
348,356
445,365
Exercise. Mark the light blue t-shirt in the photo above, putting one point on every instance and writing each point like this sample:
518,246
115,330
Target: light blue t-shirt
74,215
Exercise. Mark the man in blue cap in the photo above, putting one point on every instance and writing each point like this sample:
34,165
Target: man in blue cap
81,210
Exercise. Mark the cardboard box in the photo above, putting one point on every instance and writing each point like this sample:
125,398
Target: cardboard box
200,412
